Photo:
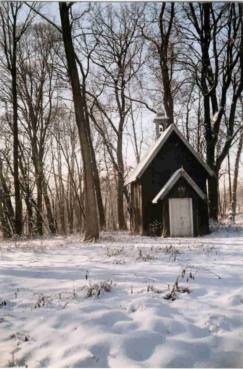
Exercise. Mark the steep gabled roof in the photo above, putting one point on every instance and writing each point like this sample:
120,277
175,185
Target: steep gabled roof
172,181
147,159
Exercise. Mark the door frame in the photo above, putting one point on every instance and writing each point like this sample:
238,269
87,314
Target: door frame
191,214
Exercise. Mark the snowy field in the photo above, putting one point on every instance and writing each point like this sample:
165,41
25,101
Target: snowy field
116,304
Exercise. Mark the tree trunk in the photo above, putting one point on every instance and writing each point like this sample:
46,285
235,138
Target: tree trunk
70,208
6,209
39,212
49,213
91,215
120,186
167,93
210,154
4,223
213,197
29,207
98,189
229,178
165,62
18,201
61,203
236,173
120,205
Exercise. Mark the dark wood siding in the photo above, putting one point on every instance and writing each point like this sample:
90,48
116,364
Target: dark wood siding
172,156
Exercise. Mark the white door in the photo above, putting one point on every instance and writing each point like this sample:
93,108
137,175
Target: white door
181,219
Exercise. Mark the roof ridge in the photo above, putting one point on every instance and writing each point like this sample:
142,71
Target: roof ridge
149,156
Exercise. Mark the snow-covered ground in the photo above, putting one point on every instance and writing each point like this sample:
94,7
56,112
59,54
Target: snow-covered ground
67,304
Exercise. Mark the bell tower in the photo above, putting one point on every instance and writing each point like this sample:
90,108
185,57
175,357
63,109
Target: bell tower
161,122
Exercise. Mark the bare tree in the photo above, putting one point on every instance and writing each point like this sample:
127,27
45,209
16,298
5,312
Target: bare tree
13,25
91,215
119,58
157,27
236,167
37,86
214,54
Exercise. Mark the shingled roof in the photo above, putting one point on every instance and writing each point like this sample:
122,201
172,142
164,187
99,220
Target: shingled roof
147,159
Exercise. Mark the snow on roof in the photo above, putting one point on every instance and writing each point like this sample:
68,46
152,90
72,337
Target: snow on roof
147,159
172,181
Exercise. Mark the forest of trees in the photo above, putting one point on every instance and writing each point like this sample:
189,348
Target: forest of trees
78,95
